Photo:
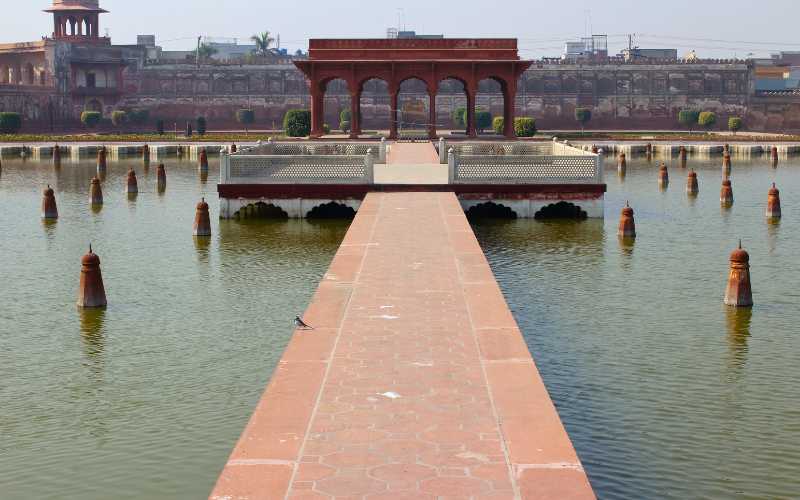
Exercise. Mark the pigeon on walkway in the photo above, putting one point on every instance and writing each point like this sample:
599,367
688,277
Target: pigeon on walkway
299,323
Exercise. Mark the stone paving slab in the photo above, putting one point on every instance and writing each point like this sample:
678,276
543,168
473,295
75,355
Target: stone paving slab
417,382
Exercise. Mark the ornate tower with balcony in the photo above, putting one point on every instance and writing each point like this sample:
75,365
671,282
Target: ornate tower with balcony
76,20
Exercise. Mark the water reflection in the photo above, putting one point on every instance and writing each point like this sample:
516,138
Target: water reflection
738,321
92,321
49,226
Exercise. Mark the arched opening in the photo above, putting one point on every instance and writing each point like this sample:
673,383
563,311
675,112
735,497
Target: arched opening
87,27
5,75
412,109
260,210
17,80
73,29
331,210
29,74
490,210
561,210
335,100
490,103
451,105
375,104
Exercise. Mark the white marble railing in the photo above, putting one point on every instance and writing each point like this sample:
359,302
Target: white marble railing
300,169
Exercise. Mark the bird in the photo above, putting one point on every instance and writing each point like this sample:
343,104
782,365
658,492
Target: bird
299,323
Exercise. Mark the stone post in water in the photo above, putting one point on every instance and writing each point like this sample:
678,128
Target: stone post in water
56,155
726,163
774,203
96,192
91,292
594,149
203,161
726,193
627,225
49,208
663,176
739,292
774,156
161,174
622,164
202,221
101,159
233,148
692,188
146,155
132,186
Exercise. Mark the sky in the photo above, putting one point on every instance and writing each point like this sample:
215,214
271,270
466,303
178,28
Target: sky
713,28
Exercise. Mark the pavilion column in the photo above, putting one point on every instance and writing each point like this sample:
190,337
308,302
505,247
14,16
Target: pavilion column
509,109
471,98
317,110
394,94
432,115
355,114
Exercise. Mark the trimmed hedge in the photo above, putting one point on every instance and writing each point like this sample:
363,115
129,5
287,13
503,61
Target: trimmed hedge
344,120
483,120
460,117
201,125
688,118
246,117
119,117
297,123
525,126
499,124
10,123
91,118
735,124
138,116
707,119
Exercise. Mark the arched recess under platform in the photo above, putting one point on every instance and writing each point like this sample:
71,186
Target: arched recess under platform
490,210
561,210
260,210
331,210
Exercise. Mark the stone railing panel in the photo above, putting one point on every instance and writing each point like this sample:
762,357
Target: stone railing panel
298,169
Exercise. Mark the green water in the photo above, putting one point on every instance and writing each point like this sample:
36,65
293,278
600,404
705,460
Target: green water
147,399
665,392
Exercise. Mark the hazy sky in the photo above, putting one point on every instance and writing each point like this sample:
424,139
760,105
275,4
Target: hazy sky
714,28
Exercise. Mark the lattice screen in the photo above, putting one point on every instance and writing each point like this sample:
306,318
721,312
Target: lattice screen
525,169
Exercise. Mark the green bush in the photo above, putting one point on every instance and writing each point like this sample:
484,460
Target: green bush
10,123
583,116
119,117
138,116
344,120
525,126
326,129
246,117
499,124
483,120
707,119
297,123
91,118
201,125
688,118
460,117
735,124
160,127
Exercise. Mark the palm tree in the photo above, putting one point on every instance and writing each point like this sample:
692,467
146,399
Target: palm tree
263,42
205,51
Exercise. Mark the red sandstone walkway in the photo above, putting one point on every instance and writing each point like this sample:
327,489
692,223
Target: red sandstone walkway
416,383
410,153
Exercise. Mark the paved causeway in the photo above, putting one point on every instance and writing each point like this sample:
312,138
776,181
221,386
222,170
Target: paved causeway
416,382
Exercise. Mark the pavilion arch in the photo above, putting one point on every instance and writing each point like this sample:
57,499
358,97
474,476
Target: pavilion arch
490,87
378,114
451,95
413,105
337,95
30,76
5,75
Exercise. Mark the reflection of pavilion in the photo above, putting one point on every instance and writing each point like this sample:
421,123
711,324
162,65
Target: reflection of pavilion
397,60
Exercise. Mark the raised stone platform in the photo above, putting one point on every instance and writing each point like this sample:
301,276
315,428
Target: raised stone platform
416,382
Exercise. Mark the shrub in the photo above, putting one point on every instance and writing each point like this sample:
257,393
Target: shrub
483,120
735,124
707,119
297,123
138,116
525,126
160,127
460,117
10,123
91,118
119,117
344,120
201,125
499,124
688,118
326,128
246,117
583,116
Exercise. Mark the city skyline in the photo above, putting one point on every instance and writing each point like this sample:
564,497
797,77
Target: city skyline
704,29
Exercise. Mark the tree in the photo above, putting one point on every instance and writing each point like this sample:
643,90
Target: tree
246,117
138,116
688,118
201,125
119,117
344,120
499,124
10,123
583,116
707,119
205,51
297,123
460,117
91,118
263,42
483,120
525,126
735,124
160,127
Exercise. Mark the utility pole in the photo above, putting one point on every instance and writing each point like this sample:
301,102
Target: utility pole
197,54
